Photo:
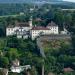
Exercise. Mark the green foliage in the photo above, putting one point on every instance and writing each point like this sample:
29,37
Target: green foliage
2,43
12,42
33,71
13,53
4,62
59,19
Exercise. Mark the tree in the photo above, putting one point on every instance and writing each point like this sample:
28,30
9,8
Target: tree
12,42
59,19
4,62
33,71
12,54
68,20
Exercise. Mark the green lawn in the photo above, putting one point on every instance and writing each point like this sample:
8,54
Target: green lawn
11,15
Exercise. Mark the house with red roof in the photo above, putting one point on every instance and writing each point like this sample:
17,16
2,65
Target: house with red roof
51,28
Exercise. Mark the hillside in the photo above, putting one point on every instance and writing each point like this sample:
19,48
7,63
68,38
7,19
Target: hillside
22,1
40,2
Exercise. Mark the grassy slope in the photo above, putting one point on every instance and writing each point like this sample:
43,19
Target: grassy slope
56,44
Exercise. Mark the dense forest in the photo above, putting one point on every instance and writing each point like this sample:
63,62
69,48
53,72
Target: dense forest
12,9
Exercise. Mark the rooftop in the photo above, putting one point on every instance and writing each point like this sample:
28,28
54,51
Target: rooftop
10,26
40,28
52,24
19,24
68,69
22,24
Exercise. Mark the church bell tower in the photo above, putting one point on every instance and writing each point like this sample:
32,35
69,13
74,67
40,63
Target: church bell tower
30,22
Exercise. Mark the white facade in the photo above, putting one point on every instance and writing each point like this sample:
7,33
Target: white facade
12,31
19,69
16,69
53,29
9,31
36,31
20,30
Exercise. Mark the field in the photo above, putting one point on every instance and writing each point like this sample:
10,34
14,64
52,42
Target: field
15,15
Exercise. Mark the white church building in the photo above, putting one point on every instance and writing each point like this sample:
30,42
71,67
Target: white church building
23,30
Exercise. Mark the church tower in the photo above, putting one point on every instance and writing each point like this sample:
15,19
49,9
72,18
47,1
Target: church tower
30,22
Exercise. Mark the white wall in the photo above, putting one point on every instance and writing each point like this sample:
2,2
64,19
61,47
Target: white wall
35,33
9,31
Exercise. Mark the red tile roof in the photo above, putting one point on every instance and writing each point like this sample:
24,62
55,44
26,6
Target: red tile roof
19,24
22,24
40,28
68,69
